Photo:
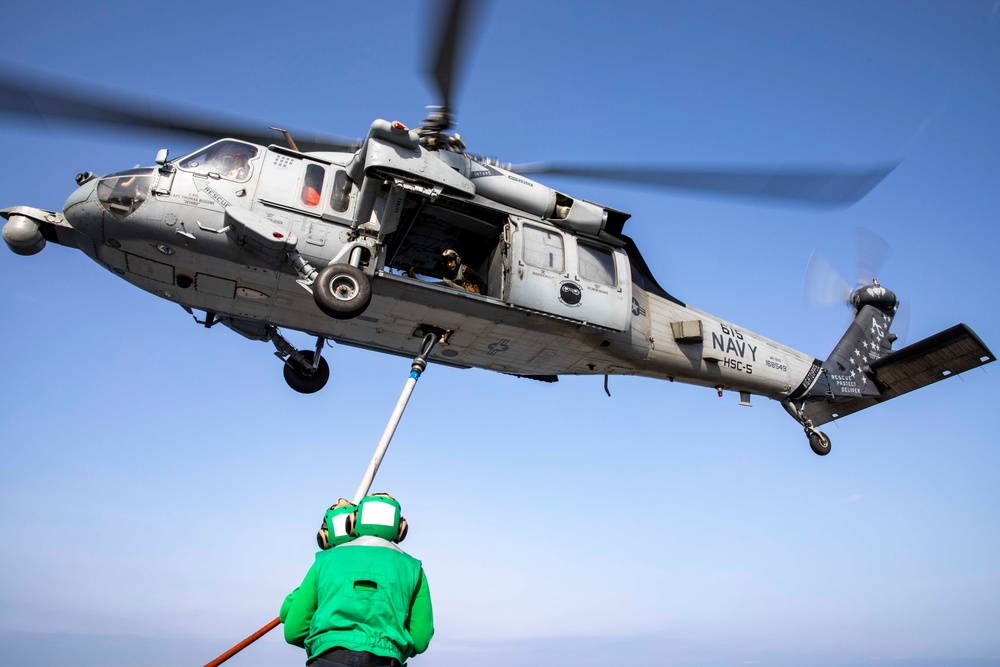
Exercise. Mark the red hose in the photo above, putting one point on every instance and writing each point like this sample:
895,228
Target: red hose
243,644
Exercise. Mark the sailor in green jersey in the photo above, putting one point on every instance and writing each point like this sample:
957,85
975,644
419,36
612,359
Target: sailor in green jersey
365,602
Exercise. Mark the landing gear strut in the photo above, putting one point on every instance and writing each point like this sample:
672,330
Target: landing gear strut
819,442
306,372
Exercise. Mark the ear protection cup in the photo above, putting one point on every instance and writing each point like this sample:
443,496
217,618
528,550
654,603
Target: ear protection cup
403,527
338,525
322,537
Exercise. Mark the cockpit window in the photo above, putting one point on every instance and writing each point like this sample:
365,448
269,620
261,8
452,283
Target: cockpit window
228,159
123,193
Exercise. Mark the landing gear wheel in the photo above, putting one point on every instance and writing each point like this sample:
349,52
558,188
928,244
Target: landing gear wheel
342,291
307,380
819,442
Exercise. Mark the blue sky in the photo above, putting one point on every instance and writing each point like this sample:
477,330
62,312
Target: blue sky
161,486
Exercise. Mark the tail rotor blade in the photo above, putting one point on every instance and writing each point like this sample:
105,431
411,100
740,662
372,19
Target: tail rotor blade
901,324
823,284
872,253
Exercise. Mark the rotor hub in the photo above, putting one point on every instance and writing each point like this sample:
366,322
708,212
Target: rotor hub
433,132
875,295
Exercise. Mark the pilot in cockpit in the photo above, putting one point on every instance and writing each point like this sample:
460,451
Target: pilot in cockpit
231,161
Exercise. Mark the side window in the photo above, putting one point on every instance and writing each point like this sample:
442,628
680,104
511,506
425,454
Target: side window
596,264
227,159
313,185
340,197
543,249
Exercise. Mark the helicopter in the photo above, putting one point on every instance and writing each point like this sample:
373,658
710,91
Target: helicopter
344,241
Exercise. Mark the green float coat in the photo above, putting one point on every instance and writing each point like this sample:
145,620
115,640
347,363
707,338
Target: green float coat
366,595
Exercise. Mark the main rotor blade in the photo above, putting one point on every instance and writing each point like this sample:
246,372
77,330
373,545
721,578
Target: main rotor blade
43,97
457,20
828,186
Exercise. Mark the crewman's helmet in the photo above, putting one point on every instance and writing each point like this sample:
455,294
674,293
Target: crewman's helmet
338,524
379,515
450,254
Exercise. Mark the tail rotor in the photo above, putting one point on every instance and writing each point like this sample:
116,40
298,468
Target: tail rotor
824,285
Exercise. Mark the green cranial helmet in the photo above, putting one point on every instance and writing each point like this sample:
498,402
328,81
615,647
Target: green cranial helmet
338,525
379,515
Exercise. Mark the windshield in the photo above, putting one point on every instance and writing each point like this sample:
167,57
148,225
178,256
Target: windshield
227,159
122,193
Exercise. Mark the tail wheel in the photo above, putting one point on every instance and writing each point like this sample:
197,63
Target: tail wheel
819,442
342,291
306,379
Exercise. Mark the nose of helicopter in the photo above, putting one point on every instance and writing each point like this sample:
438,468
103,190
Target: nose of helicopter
81,209
87,184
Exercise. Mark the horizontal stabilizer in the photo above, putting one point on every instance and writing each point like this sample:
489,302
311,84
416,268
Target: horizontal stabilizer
940,356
